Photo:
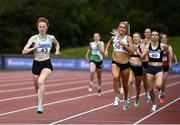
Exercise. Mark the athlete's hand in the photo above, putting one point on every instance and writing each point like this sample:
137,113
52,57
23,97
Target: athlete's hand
106,53
123,44
87,57
57,53
36,45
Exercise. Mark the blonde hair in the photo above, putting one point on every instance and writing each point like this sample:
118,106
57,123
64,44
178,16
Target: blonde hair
127,26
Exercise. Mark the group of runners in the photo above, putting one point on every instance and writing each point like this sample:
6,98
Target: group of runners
134,61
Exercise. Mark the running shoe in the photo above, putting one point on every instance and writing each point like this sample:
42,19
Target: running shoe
136,103
99,92
128,101
40,109
124,106
161,99
90,87
154,108
116,101
121,90
159,93
148,98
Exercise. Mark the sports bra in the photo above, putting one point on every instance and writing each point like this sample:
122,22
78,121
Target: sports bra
117,46
44,45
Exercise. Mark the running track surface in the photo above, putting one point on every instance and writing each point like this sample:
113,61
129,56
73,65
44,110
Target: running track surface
67,101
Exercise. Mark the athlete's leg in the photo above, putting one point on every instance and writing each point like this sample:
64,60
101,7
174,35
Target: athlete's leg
130,83
159,85
45,73
92,71
138,80
35,81
116,78
150,82
115,74
165,77
125,77
99,76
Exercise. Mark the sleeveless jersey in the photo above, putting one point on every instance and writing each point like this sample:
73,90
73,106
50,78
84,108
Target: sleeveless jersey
117,46
156,54
137,52
44,45
165,58
95,53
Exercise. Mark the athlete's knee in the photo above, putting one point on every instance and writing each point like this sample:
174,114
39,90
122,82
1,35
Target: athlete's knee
40,82
116,78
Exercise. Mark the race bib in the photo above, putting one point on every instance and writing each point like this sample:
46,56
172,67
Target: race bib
154,54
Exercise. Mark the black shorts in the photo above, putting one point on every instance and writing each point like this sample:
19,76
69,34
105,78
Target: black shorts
165,68
38,66
121,66
99,65
145,64
154,69
137,70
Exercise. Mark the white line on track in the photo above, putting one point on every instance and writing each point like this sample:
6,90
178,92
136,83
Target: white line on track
72,99
49,85
47,93
146,117
89,111
56,102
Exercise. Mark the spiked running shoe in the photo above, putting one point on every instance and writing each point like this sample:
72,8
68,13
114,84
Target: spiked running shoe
124,106
90,87
148,98
116,101
136,103
161,99
99,92
40,109
128,101
154,108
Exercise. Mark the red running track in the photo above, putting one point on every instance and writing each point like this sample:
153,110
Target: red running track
67,101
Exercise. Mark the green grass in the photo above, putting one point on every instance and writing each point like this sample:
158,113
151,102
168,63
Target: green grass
175,43
79,52
74,52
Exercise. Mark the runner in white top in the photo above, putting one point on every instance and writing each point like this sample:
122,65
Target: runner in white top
42,68
122,46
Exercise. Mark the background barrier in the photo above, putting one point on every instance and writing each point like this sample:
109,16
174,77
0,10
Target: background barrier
26,63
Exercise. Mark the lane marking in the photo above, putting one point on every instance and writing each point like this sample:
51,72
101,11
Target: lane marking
89,111
146,117
51,85
76,98
56,102
47,93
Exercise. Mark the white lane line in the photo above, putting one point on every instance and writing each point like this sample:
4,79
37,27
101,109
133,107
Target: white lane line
60,83
56,102
47,93
70,99
80,114
146,117
16,82
89,111
33,95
